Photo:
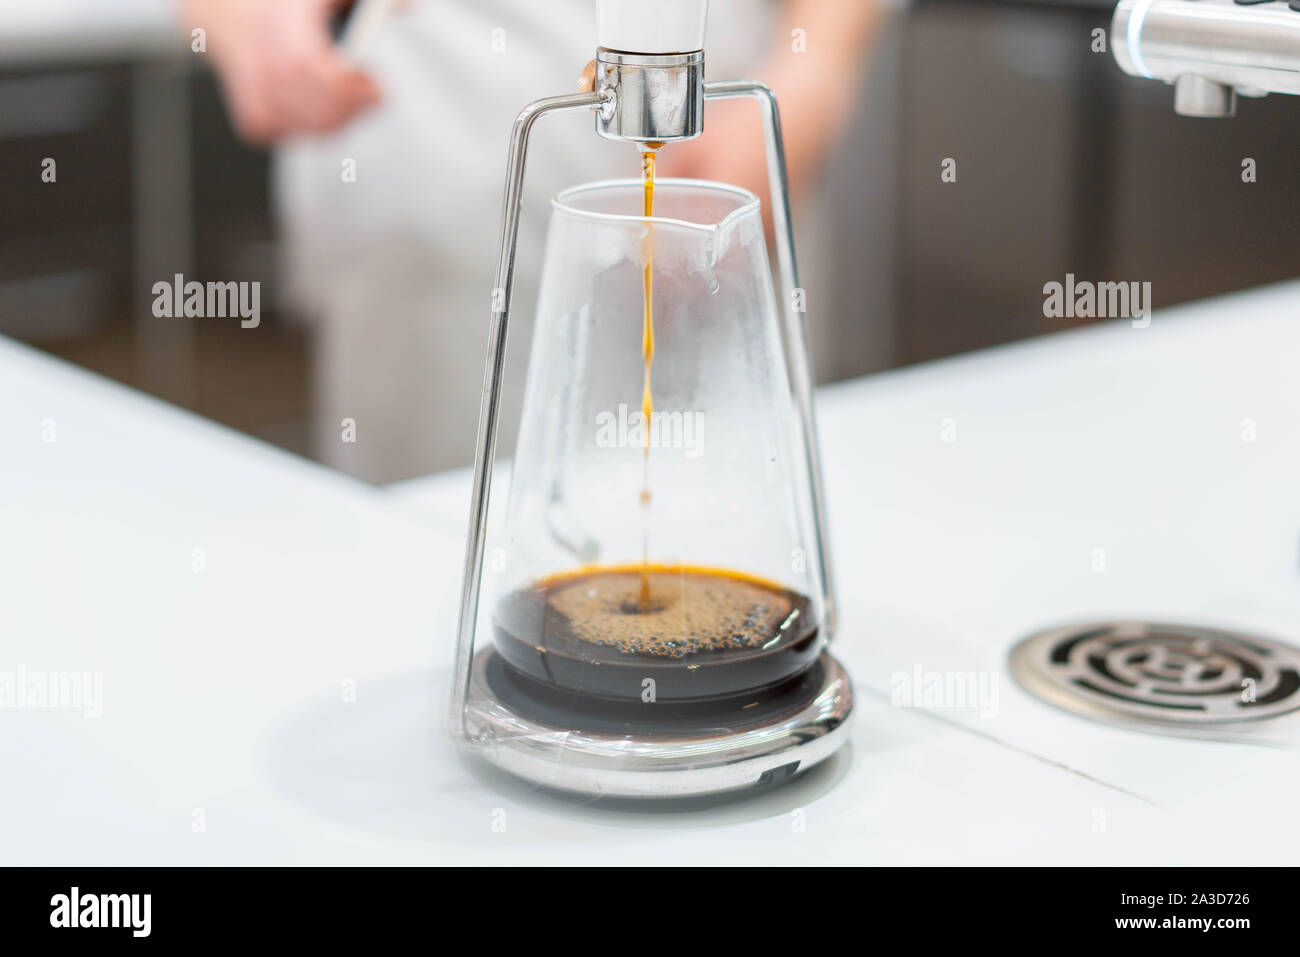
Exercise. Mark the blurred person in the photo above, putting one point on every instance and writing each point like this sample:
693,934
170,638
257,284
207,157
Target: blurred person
390,219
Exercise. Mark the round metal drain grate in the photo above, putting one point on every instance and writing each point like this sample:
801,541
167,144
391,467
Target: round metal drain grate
1153,676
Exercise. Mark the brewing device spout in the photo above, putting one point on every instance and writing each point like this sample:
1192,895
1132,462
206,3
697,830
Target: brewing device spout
650,64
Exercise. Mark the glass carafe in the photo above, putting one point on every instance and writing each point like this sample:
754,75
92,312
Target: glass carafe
671,558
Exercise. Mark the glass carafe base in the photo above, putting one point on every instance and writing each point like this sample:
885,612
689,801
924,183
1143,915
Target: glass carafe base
574,744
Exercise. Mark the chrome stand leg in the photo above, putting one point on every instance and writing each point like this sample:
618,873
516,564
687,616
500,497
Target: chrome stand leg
796,331
490,403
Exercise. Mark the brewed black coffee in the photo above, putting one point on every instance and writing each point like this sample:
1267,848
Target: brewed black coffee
694,634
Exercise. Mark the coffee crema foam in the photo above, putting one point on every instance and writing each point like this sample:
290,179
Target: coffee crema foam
686,612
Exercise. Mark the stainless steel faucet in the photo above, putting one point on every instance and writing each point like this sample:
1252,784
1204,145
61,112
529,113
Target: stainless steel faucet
1211,51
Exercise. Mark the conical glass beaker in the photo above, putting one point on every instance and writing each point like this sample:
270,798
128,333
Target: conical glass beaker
659,542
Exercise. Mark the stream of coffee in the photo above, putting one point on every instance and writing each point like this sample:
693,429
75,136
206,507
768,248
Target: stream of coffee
647,355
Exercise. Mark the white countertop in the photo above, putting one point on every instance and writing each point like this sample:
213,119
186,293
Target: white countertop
223,687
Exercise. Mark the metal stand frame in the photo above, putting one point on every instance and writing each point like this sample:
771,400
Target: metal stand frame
797,360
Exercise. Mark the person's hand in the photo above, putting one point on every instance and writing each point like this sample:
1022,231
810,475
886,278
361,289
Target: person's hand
279,69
